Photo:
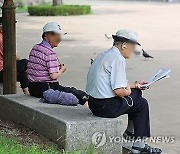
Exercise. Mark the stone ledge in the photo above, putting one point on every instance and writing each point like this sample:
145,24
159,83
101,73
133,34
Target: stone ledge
71,127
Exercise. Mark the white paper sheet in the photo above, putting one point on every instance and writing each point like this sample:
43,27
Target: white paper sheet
160,75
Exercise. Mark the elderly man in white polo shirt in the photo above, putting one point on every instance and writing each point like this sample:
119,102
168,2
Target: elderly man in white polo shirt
111,95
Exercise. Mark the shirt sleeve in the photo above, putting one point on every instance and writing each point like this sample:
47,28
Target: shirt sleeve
52,63
118,74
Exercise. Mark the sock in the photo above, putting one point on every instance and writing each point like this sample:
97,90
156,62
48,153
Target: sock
130,126
138,143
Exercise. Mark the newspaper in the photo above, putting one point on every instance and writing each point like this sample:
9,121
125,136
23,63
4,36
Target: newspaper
163,73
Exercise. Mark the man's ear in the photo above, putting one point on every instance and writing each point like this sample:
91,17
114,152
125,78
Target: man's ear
124,45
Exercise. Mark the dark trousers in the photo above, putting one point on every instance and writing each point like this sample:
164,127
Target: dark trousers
36,89
21,73
116,106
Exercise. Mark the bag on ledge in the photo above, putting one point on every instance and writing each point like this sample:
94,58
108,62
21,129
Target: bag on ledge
58,97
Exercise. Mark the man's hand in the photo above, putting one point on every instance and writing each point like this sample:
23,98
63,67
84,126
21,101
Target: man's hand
18,58
62,68
138,84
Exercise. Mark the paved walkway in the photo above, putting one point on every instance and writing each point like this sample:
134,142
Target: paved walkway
158,27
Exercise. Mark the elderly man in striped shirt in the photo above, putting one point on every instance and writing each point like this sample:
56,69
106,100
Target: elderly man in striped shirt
44,68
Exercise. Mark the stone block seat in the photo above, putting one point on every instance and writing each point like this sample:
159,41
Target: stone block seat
72,127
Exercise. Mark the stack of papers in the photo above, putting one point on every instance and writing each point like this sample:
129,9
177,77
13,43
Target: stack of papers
163,73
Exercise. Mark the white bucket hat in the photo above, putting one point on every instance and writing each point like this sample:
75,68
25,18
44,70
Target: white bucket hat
53,27
130,35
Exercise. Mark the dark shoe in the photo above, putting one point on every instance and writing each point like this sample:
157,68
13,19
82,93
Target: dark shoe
146,150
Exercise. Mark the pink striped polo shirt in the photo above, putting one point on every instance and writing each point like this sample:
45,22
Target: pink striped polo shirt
42,62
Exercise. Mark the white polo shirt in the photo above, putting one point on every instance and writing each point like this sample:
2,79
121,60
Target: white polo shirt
106,73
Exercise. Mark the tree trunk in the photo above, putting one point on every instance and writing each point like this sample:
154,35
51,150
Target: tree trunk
57,2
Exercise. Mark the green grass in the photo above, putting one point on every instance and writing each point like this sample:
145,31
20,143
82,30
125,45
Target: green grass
62,10
10,145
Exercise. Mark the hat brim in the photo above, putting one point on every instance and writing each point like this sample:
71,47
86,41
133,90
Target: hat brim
61,32
117,38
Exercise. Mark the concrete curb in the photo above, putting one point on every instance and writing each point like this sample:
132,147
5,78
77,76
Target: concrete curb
72,127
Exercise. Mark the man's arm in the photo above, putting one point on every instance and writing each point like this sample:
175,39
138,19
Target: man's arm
55,76
118,78
121,92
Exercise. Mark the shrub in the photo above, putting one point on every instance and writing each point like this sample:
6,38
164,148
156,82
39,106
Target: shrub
63,10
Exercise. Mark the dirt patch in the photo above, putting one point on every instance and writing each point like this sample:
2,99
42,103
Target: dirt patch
24,135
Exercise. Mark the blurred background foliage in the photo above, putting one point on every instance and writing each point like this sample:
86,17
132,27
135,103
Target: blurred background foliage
49,8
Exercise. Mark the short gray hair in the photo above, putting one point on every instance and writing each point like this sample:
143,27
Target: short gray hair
116,43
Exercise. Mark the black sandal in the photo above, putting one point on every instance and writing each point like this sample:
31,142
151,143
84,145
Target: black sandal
147,150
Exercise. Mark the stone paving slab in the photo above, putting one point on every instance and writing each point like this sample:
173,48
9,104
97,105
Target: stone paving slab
72,127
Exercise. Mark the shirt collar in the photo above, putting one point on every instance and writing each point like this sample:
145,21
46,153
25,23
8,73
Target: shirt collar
44,42
116,50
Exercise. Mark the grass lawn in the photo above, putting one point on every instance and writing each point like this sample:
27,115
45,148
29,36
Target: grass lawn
16,139
9,145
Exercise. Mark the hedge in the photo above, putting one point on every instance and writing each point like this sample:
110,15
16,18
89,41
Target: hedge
63,10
